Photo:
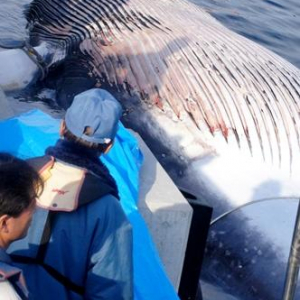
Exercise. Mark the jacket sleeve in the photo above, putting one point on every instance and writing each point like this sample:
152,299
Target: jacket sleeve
110,265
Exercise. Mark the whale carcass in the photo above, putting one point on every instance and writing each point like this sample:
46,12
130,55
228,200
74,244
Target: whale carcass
220,112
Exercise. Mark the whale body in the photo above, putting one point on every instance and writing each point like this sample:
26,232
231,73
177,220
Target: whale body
220,112
203,94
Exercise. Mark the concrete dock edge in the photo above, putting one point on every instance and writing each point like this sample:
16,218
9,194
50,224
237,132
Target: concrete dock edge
166,212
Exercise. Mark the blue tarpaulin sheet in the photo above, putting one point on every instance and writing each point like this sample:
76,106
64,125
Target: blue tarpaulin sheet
29,134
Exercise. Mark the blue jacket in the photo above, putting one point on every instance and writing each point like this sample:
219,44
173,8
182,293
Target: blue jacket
90,245
13,275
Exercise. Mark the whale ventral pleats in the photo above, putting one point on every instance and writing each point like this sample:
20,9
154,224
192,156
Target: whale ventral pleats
178,59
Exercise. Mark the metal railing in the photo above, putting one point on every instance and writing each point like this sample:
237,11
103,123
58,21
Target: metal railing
292,274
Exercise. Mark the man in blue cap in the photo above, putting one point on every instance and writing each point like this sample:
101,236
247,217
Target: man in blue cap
80,243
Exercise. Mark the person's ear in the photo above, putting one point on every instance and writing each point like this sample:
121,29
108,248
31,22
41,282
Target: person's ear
62,128
4,223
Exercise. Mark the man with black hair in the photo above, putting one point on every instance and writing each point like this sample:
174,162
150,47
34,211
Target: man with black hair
20,185
80,242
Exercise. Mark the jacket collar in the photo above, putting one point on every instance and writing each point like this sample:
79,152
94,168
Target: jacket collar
83,157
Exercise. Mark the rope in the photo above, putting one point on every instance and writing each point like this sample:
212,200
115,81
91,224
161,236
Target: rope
36,58
249,203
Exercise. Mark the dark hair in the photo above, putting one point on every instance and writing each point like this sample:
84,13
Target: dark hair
67,134
20,185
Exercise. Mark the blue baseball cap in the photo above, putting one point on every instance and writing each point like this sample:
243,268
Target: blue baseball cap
95,108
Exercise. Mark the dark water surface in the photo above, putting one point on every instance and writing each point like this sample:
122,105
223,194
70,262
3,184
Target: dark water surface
12,20
274,24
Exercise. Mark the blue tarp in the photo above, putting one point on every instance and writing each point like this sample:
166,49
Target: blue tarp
29,134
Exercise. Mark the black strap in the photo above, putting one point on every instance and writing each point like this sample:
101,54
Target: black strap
51,271
41,257
45,237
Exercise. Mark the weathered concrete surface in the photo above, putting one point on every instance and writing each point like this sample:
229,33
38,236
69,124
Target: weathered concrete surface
5,109
166,212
